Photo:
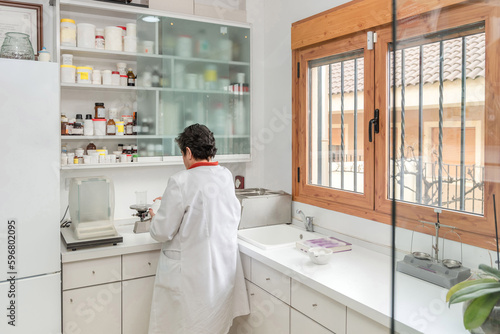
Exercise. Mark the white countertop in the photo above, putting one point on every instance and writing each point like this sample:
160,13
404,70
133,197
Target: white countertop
132,243
361,280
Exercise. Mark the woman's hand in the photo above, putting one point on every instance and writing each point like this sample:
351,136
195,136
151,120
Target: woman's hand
151,213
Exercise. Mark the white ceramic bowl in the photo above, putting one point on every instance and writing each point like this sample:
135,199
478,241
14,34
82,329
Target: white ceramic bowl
320,255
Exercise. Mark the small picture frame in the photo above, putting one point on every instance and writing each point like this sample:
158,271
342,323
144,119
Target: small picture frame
22,17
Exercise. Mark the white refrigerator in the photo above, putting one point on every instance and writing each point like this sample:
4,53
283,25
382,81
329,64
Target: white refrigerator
30,274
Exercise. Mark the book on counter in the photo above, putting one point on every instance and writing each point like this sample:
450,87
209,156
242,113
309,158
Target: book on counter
336,245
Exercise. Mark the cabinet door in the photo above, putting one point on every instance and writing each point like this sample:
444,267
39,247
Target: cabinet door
95,309
358,323
268,314
300,324
136,306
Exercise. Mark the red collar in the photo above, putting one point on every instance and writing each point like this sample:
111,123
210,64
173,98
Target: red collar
204,163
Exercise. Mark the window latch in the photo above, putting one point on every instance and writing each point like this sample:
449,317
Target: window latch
373,123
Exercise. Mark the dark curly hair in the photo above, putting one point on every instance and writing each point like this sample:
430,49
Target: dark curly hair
200,141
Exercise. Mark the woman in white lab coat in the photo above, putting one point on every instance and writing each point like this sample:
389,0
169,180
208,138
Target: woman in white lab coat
199,285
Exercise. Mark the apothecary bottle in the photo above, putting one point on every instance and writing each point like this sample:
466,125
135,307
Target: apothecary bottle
100,110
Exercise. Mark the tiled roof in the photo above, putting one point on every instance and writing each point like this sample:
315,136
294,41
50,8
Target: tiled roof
452,64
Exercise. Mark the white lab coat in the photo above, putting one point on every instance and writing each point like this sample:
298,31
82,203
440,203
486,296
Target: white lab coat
199,286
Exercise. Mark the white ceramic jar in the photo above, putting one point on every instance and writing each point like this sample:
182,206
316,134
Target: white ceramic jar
99,126
130,44
85,35
68,32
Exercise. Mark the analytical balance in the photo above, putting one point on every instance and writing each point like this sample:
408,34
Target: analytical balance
91,207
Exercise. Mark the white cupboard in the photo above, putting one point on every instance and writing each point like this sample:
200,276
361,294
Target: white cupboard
110,295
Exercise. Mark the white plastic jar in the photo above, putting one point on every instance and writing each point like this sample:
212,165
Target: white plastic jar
68,32
99,126
115,78
67,59
113,38
184,46
106,77
83,75
148,46
85,35
68,73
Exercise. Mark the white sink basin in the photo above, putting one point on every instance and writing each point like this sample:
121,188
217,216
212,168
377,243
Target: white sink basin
275,236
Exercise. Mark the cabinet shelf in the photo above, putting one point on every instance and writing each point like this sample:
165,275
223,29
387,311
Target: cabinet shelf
136,88
132,56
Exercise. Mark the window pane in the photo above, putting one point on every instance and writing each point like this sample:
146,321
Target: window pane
335,119
440,114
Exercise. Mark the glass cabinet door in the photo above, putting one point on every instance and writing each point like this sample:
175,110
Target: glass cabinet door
198,73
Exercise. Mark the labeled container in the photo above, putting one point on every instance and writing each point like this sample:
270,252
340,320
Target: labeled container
113,38
99,39
131,29
225,49
85,37
83,75
106,77
68,73
99,126
68,32
184,47
88,126
67,59
115,78
43,55
130,44
96,77
148,47
120,128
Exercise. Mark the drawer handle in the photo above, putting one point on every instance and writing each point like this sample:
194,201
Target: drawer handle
314,305
93,272
252,294
149,263
268,279
71,300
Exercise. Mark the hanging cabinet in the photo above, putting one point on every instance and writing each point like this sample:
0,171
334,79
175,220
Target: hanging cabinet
204,77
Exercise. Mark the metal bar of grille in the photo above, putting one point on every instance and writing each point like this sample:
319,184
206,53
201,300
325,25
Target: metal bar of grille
474,190
402,150
420,123
448,187
330,107
355,169
319,123
462,126
440,157
342,148
456,187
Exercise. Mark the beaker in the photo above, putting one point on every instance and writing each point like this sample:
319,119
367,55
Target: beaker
141,197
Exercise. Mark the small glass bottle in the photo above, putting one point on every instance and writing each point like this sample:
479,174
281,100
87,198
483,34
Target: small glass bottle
129,127
111,127
64,125
90,147
135,127
130,78
78,126
100,111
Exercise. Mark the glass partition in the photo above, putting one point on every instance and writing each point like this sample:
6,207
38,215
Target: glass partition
443,163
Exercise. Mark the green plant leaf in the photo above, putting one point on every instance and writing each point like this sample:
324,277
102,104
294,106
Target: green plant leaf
490,270
474,295
465,284
479,310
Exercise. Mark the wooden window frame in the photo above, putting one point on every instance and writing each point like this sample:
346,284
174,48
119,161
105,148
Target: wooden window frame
473,229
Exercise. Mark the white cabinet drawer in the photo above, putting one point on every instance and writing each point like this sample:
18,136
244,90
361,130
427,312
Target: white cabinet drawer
300,324
140,264
358,323
271,280
91,272
319,307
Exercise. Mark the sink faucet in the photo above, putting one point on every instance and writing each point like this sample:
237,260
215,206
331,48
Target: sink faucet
308,221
